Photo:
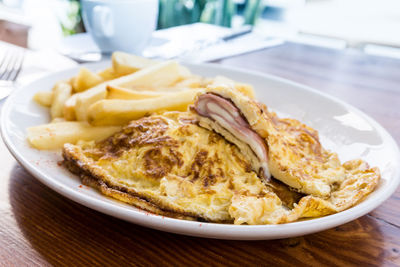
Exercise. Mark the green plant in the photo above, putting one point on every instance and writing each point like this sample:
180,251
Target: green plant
72,22
252,11
179,12
219,12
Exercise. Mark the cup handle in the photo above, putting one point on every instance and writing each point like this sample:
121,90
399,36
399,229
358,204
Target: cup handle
102,21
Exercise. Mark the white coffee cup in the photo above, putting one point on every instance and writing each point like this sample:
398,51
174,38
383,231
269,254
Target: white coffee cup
120,25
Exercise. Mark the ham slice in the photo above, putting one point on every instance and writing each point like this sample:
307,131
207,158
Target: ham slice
228,116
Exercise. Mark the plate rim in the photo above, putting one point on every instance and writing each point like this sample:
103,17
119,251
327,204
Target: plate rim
205,229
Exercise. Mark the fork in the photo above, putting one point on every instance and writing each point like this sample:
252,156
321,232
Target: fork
11,61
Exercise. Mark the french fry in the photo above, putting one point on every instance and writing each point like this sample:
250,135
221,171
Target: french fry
193,81
85,80
114,92
124,63
159,75
44,98
62,91
87,98
55,135
69,108
109,74
119,112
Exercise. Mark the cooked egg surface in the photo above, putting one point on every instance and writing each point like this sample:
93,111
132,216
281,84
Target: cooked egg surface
169,165
171,161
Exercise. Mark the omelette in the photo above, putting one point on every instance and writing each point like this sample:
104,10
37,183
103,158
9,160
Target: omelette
168,165
284,149
183,165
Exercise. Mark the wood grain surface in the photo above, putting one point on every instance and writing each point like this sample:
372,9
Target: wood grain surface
39,227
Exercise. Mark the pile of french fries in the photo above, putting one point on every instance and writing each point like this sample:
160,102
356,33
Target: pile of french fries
93,106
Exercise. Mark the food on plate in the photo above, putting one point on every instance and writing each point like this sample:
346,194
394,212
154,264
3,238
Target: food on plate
282,148
124,63
115,92
61,92
69,108
151,79
166,161
190,82
108,74
360,181
159,75
85,80
158,137
173,165
244,88
54,135
44,98
119,112
167,164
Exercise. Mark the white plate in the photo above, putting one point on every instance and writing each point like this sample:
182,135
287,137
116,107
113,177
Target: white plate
343,128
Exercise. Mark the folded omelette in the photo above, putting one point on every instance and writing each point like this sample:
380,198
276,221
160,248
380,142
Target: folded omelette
228,160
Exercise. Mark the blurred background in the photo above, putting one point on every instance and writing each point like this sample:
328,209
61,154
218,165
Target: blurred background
372,26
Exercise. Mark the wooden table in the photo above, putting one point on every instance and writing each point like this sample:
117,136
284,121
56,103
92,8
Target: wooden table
40,227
